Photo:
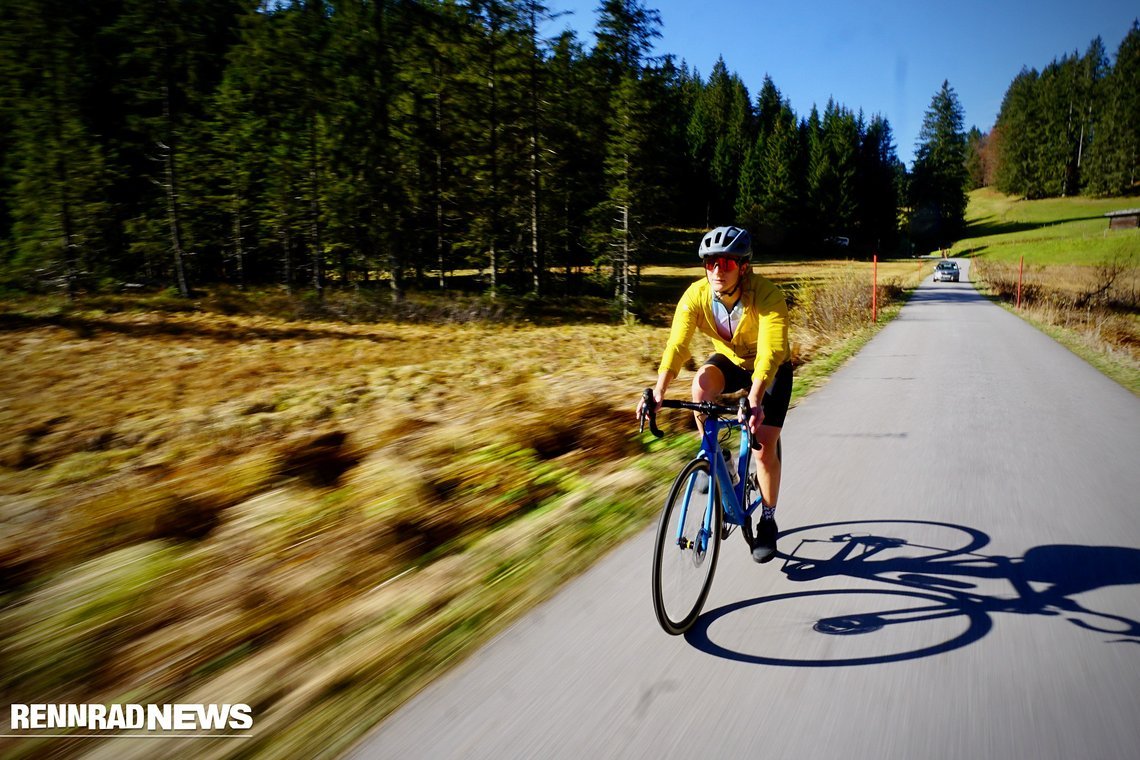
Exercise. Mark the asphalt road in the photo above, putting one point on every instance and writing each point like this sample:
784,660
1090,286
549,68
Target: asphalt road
959,577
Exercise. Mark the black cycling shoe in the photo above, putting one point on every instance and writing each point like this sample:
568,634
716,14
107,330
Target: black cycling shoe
764,545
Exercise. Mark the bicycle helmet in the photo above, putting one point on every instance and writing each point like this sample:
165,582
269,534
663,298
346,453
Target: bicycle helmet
726,241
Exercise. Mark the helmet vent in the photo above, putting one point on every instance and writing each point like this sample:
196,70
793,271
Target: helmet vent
733,241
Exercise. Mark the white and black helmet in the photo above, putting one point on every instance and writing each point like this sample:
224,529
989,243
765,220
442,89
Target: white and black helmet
727,241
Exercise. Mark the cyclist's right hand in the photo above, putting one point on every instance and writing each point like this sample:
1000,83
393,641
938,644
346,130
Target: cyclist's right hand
642,411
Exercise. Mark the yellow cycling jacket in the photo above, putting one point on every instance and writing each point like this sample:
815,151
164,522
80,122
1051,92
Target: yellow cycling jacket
759,343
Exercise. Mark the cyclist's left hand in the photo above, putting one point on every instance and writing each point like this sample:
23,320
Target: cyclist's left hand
755,420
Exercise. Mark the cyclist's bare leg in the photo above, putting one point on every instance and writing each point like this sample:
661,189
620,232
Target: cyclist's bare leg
768,466
708,384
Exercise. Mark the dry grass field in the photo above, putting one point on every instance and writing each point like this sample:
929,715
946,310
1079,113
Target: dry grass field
315,516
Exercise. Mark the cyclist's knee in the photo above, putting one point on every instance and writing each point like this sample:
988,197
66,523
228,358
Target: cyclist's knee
707,383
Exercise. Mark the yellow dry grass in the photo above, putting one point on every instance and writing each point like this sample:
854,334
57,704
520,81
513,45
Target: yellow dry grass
311,518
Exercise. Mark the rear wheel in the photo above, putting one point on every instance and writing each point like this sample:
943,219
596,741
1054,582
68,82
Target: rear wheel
684,558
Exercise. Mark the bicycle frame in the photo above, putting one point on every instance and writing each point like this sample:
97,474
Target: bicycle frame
735,511
689,548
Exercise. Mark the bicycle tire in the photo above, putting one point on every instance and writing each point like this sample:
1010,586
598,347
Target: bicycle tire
675,566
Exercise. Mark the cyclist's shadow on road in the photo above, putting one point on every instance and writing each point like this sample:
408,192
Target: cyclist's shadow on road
925,578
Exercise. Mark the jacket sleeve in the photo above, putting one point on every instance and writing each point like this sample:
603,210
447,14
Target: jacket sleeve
772,336
684,324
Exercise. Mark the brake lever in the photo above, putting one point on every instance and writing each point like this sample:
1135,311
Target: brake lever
648,404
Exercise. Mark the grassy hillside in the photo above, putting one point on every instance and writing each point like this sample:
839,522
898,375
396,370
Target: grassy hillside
1049,231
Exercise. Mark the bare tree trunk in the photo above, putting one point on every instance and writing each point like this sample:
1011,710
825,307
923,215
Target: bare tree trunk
439,183
171,188
535,252
175,221
625,292
315,212
536,261
395,266
566,248
287,241
239,243
493,22
70,248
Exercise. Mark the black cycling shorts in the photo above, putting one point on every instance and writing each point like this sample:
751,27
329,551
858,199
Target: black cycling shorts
776,398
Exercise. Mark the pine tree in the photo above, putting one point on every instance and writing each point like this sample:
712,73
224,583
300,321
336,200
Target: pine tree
237,132
1056,152
625,33
819,200
1093,68
1019,123
751,182
749,199
58,173
721,131
779,196
938,187
534,87
673,92
975,159
878,189
575,164
380,114
1114,150
494,66
843,137
172,59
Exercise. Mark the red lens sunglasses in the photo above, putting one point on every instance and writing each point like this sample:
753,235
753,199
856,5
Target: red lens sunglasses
726,263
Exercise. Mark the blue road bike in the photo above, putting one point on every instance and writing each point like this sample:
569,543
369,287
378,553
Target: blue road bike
703,508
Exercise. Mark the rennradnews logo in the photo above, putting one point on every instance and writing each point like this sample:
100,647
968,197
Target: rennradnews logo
130,717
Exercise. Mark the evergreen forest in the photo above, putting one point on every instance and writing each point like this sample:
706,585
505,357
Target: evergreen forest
1071,128
393,144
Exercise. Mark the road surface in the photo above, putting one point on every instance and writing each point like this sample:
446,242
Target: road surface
959,577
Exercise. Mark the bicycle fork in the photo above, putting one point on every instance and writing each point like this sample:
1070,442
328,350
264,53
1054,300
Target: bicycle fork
700,542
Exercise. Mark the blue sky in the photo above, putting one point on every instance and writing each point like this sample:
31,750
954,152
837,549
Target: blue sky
884,56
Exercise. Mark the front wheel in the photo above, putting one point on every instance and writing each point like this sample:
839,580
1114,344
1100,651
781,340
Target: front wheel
684,558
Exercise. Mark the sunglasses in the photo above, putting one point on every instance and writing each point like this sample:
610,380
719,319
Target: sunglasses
726,263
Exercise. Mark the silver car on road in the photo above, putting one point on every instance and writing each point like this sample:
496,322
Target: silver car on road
946,271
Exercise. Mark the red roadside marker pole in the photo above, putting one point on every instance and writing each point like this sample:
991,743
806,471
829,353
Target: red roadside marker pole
875,288
1020,269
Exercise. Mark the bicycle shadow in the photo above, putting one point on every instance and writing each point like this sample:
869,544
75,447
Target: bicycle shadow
942,597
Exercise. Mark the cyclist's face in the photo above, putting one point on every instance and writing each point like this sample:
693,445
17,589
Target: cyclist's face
723,272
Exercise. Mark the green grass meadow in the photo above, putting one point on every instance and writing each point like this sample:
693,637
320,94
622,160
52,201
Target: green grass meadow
1049,231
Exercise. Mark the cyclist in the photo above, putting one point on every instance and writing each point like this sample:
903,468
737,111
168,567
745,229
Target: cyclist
747,318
